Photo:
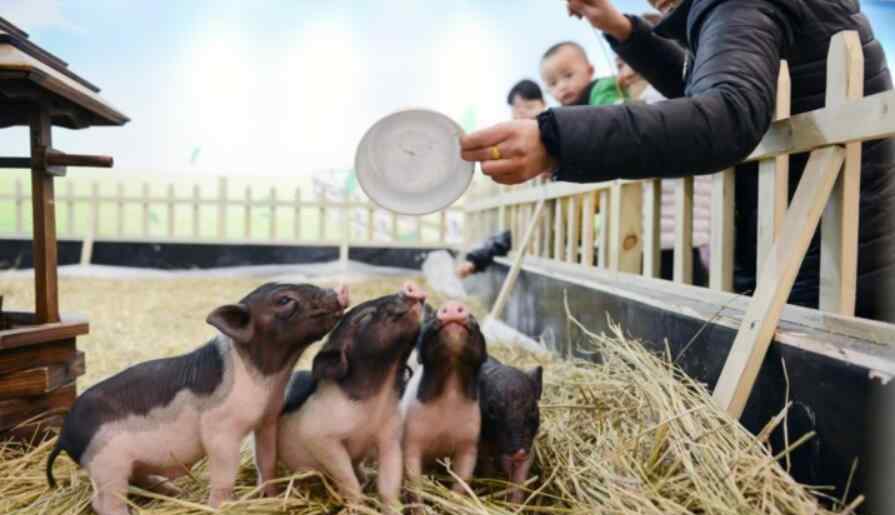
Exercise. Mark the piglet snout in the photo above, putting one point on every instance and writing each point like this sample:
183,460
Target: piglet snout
342,293
453,312
412,291
520,455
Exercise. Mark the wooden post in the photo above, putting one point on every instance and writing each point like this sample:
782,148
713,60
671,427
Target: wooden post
146,212
773,178
683,231
510,280
559,230
247,225
625,227
273,214
775,283
573,234
44,219
721,266
197,206
442,227
605,219
321,215
548,229
296,216
394,220
346,236
119,208
20,202
839,227
588,210
92,225
652,228
171,205
222,208
70,208
371,218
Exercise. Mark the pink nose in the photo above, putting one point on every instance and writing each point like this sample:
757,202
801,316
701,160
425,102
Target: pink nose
413,291
453,312
520,455
342,293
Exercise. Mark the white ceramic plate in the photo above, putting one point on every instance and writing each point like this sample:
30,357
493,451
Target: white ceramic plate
409,162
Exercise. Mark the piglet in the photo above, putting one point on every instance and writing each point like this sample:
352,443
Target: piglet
152,421
346,408
508,398
441,403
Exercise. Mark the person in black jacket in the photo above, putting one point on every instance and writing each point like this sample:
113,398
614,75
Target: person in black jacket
717,61
480,258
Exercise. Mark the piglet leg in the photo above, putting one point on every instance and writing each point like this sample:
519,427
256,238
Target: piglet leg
110,495
388,481
464,465
223,465
266,454
413,468
334,458
520,474
158,484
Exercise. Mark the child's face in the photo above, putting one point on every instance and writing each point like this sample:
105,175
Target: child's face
526,109
626,74
567,73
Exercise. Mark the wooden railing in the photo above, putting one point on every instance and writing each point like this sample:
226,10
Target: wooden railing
170,212
626,214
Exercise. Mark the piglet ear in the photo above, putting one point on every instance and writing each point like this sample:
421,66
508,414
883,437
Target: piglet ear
537,375
332,360
234,320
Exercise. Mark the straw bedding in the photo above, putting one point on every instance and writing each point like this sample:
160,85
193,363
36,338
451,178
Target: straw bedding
629,435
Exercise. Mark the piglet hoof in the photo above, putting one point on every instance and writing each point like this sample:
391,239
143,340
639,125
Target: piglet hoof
218,496
458,488
159,484
273,489
516,496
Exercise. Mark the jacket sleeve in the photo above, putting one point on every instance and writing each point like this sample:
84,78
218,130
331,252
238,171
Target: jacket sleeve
658,60
497,245
728,107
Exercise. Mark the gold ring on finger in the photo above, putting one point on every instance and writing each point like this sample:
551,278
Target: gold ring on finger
495,153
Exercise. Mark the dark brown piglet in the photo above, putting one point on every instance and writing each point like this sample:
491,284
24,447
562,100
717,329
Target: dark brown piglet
152,421
508,398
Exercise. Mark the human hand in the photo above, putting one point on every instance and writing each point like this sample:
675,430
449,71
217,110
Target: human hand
602,16
511,152
465,269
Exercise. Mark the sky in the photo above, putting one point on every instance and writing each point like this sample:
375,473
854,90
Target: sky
271,87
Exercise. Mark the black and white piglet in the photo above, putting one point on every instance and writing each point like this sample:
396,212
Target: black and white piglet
346,408
508,398
441,403
152,421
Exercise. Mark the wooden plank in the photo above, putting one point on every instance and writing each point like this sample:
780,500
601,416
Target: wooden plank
147,213
588,211
779,273
272,205
625,228
40,380
196,210
296,215
549,209
722,232
510,280
16,411
442,226
119,208
44,218
605,219
92,224
20,204
573,237
27,357
43,333
549,191
171,216
394,227
69,208
839,224
856,120
652,228
247,214
773,178
559,230
321,216
683,231
222,208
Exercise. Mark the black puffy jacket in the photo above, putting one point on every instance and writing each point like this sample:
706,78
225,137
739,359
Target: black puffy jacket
720,76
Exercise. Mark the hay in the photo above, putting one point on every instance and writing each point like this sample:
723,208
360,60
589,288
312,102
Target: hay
629,435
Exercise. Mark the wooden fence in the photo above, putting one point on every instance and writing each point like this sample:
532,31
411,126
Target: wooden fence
619,220
269,216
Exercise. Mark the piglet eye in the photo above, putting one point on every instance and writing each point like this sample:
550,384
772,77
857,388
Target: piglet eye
282,301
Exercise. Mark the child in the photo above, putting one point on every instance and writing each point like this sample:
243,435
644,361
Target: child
526,100
568,75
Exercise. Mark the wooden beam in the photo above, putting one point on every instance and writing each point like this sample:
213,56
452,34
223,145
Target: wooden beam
773,178
683,231
839,225
41,380
652,228
856,120
549,191
605,219
559,230
722,233
44,214
625,228
588,211
572,237
777,277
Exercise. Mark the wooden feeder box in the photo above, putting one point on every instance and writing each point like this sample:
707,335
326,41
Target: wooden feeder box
39,361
